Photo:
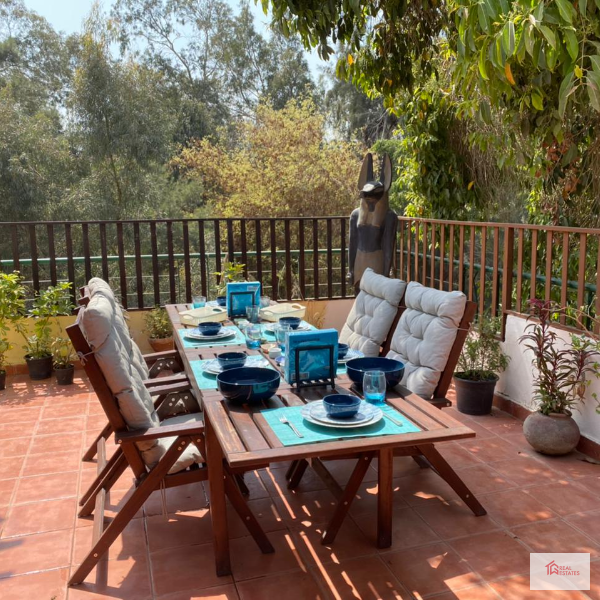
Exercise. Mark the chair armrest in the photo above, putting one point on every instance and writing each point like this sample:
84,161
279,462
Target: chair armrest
154,356
159,390
155,433
169,380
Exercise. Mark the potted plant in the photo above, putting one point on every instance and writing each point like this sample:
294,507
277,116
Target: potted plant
232,271
47,305
562,372
159,329
480,362
12,310
62,358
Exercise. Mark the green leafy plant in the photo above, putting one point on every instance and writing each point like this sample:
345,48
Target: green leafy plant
482,357
232,271
158,325
12,309
562,371
47,305
63,353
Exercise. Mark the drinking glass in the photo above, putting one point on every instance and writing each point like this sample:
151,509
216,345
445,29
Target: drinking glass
281,332
252,312
265,301
199,301
374,385
253,336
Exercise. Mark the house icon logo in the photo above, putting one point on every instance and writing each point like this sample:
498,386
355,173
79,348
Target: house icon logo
552,568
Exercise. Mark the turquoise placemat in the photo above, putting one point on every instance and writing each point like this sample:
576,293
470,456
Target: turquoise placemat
315,433
270,335
235,340
206,381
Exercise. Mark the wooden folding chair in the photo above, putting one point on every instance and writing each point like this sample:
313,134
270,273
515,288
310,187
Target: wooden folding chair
147,479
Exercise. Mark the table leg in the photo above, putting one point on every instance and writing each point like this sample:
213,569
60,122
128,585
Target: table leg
385,497
218,509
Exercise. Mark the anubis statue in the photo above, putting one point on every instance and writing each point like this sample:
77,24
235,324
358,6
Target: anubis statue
373,225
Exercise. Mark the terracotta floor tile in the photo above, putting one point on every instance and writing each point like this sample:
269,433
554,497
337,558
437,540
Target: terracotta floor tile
46,487
11,467
454,519
482,432
48,584
95,422
255,485
19,414
517,588
185,568
365,578
64,425
292,586
276,484
482,479
424,487
220,592
179,529
458,456
403,466
266,512
430,569
490,450
309,507
7,487
15,447
594,592
58,462
183,498
588,523
40,516
493,554
16,430
565,497
342,469
555,536
526,470
518,440
591,483
61,411
515,507
38,552
477,592
574,465
248,562
127,579
365,501
49,444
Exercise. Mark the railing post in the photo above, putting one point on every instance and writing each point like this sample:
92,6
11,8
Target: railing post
507,275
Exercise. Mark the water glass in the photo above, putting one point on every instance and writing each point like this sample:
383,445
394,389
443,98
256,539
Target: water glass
252,312
253,336
199,301
374,385
281,332
265,301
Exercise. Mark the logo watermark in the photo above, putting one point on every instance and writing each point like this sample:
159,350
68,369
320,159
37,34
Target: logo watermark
559,571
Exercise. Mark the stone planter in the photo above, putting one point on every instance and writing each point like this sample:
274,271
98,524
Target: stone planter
39,368
474,397
161,344
553,434
65,376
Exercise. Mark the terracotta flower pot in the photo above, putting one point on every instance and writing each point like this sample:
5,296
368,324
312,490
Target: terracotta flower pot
554,434
161,344
474,397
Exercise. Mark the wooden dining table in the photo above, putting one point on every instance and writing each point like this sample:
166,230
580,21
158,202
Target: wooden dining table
241,436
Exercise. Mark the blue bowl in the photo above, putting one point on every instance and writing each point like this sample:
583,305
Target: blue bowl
393,369
232,360
209,328
293,322
341,406
342,350
248,384
222,300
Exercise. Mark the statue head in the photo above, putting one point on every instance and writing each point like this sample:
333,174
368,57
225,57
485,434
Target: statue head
373,190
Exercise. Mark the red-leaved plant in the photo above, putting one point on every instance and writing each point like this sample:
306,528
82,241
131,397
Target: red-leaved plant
562,370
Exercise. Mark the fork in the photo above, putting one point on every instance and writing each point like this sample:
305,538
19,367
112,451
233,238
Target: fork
285,421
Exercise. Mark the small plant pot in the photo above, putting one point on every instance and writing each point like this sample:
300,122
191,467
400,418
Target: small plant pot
65,376
161,344
39,368
555,434
2,380
474,397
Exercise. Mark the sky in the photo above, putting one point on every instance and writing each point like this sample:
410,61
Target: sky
68,16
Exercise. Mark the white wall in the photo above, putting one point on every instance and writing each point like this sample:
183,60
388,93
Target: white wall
516,382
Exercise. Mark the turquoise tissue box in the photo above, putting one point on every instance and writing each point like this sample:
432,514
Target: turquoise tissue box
240,295
309,355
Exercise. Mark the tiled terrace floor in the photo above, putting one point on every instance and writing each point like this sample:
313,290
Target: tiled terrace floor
440,549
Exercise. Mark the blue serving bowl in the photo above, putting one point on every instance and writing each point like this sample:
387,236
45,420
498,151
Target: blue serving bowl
248,384
393,369
293,322
209,328
232,360
341,406
342,350
222,300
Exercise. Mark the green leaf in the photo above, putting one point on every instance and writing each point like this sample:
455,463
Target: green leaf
538,13
483,22
566,10
572,44
490,8
549,35
508,38
537,101
563,93
595,58
594,96
583,7
485,112
528,35
482,67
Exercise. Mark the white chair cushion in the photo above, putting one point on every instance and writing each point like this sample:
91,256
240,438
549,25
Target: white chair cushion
191,454
425,335
373,312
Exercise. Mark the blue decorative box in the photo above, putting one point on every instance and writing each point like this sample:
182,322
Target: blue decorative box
309,355
240,295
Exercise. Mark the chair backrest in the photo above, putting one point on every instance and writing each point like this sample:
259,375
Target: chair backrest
373,313
429,338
